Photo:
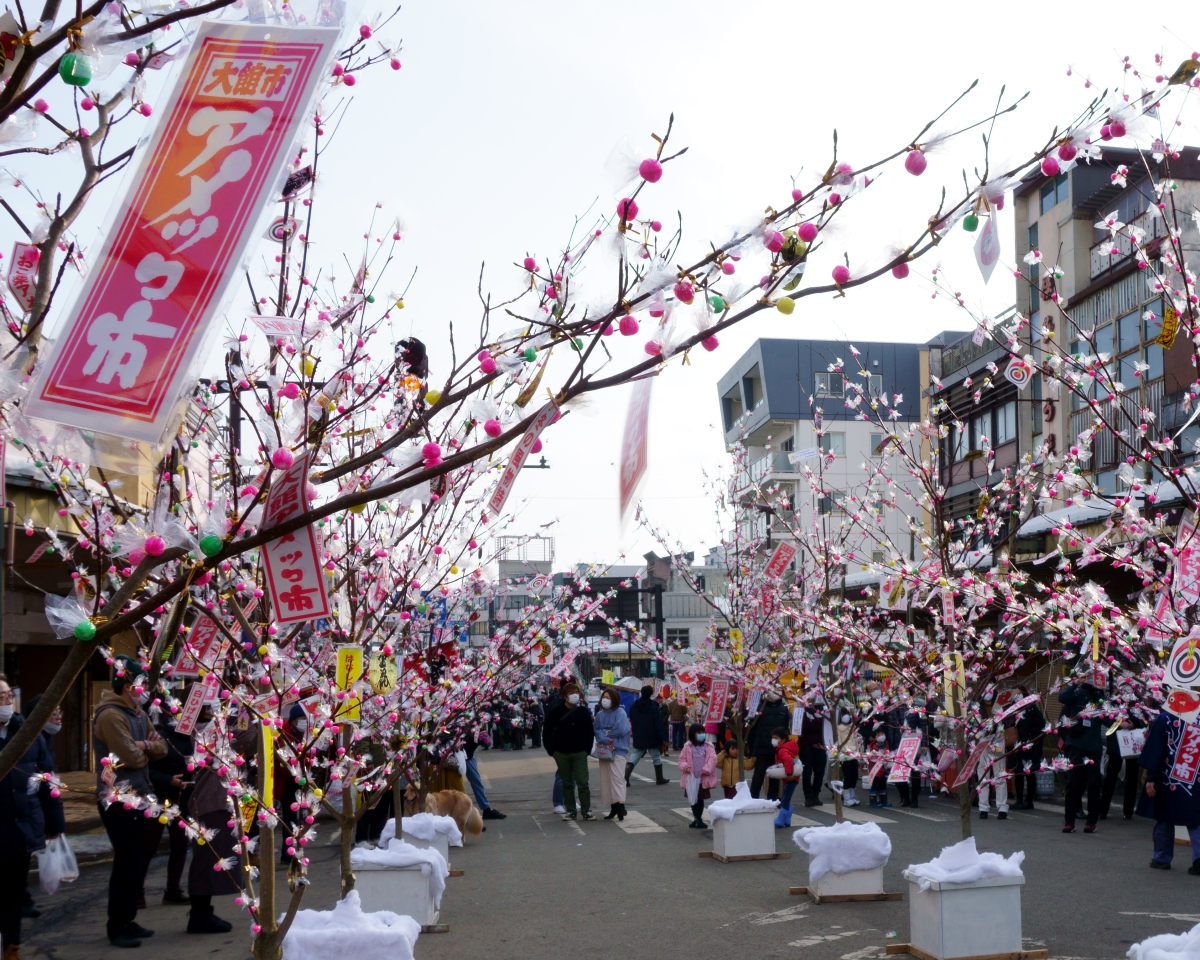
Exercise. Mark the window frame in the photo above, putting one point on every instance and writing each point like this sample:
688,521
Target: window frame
828,378
827,445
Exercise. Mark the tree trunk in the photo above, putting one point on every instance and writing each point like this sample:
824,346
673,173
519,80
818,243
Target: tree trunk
268,944
347,822
964,791
837,795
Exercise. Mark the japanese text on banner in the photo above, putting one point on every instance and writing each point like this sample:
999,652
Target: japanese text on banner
292,561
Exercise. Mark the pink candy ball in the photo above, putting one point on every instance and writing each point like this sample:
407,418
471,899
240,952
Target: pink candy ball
282,458
841,273
655,225
1117,128
650,170
40,105
727,267
627,209
537,446
653,347
349,80
1050,166
487,365
530,264
131,59
87,103
684,292
290,390
395,64
900,271
365,31
145,109
136,556
154,545
492,428
628,326
797,195
431,451
807,232
915,163
773,241
710,343
1067,151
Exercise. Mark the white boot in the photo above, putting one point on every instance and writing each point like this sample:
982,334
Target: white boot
848,797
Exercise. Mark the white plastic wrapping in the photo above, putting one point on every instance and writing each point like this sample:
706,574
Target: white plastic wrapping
962,863
843,847
320,934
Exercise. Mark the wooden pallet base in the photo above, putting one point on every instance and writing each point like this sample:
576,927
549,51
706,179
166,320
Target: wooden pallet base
844,897
753,856
457,873
1015,955
436,928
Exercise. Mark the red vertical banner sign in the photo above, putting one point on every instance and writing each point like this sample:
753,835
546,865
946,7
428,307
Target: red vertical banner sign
22,273
635,446
292,562
781,558
716,701
520,454
127,349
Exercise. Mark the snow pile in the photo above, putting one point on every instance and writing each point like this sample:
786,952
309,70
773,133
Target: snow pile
320,934
397,853
423,826
843,847
962,863
742,802
1168,946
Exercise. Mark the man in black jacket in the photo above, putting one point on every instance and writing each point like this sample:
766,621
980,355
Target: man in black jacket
649,735
773,714
167,776
568,737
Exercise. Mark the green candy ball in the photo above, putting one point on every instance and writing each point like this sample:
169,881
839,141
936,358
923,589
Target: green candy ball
370,298
74,69
717,303
970,223
530,354
211,545
85,630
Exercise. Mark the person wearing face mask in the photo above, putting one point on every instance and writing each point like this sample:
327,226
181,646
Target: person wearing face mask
698,772
120,727
470,745
787,755
569,736
167,775
849,747
773,713
55,820
878,758
27,821
612,747
649,735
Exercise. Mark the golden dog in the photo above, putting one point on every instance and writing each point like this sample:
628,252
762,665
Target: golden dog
452,803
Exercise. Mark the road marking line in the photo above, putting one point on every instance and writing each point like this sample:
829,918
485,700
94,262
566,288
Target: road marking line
923,816
814,939
638,776
576,827
781,916
686,813
857,816
635,822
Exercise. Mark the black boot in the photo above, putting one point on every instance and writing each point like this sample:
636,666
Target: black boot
659,779
621,811
628,772
612,811
203,920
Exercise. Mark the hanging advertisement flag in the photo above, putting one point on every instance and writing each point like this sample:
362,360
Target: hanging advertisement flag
1018,372
1183,665
292,561
781,558
200,694
541,654
968,768
128,346
349,672
1187,562
987,248
716,701
520,454
22,274
635,447
203,637
905,760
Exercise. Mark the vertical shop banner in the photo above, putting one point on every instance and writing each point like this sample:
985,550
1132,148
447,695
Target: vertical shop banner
716,701
635,447
292,561
349,672
204,636
200,694
23,273
520,454
126,350
781,558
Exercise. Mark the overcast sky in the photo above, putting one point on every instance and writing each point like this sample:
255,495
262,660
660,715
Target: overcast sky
495,134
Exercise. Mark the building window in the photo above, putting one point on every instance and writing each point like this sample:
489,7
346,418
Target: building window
1054,192
877,444
1154,357
831,502
788,445
1128,334
981,429
516,602
830,385
959,442
680,638
875,385
877,556
1006,422
834,443
1035,408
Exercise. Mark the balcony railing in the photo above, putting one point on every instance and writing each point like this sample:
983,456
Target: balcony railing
772,463
1102,255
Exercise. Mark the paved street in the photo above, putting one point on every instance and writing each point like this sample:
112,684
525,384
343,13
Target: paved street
538,887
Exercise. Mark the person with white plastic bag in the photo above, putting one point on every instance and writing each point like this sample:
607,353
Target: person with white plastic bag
698,771
54,819
27,820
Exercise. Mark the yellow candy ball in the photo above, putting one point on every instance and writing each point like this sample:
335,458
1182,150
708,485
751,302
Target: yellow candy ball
262,651
399,304
309,365
433,396
454,569
358,508
200,841
785,305
163,820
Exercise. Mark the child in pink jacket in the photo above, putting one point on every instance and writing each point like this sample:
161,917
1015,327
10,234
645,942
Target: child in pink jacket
698,759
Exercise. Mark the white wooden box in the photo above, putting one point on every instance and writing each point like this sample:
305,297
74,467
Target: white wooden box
403,890
440,843
832,884
746,835
981,918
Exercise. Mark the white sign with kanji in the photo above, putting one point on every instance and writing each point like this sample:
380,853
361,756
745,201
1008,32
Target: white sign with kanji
292,561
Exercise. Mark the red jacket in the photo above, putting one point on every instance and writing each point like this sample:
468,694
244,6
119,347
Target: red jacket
788,754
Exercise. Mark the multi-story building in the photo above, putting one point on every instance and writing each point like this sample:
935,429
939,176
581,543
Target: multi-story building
770,401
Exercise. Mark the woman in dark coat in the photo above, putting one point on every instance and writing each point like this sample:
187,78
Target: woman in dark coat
1171,795
1031,726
